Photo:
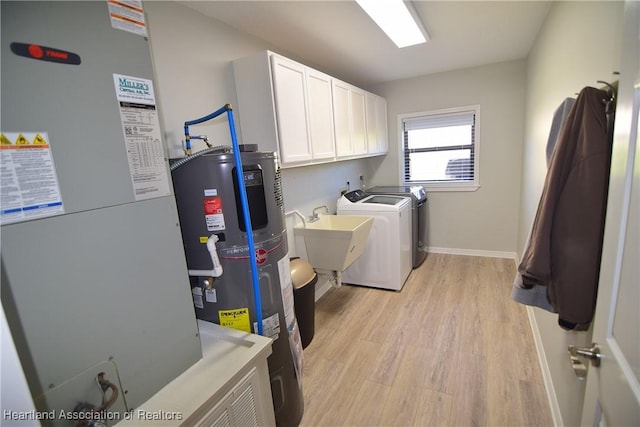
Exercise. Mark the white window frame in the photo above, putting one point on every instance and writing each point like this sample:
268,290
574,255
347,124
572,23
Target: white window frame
447,185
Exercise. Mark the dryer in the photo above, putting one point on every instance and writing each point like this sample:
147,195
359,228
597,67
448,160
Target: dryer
386,261
419,213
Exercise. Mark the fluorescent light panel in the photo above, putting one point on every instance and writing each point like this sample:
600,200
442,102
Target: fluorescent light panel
394,18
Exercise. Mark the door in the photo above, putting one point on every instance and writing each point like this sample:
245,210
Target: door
381,113
320,105
372,123
342,117
612,396
358,121
376,109
291,109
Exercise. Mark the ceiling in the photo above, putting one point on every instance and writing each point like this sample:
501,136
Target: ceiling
338,38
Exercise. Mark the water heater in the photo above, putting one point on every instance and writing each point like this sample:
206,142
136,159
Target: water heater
218,259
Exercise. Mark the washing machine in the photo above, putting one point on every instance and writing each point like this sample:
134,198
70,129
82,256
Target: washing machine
386,261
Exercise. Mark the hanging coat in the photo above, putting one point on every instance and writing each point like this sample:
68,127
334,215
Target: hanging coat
565,245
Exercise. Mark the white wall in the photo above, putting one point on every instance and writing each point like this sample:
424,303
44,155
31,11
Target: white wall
579,44
487,219
192,54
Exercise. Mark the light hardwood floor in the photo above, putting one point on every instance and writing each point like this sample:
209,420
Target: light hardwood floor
450,349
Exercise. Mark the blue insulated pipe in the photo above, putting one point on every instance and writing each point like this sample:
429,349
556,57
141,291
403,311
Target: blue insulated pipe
187,137
243,201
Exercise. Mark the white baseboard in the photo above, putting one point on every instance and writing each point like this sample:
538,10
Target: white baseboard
556,415
546,372
322,289
472,252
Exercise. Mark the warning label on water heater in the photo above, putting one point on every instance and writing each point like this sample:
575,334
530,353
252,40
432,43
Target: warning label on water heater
213,213
235,319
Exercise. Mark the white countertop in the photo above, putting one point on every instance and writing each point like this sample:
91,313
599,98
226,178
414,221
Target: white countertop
226,352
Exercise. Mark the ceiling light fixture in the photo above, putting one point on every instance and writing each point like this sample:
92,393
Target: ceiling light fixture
398,19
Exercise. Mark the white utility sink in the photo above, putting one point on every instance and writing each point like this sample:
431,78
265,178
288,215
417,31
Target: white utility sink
333,242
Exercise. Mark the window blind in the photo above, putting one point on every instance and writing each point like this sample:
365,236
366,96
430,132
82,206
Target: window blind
440,121
440,148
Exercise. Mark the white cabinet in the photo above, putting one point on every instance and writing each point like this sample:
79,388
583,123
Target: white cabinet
372,123
307,116
342,117
383,130
349,113
319,102
238,407
290,96
376,111
229,386
358,120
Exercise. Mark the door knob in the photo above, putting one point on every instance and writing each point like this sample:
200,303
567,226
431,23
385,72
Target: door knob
592,353
577,353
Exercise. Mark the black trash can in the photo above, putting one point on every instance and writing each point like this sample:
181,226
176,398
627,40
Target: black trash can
304,280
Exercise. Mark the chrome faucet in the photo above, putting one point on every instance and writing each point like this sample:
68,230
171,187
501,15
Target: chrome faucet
315,216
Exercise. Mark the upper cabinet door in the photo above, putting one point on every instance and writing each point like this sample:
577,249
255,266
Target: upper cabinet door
319,102
377,137
372,123
291,110
342,118
359,129
383,132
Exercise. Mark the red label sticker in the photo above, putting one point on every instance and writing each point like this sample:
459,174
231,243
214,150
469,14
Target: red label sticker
212,205
261,256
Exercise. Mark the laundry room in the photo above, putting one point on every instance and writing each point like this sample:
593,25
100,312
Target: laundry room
407,319
498,88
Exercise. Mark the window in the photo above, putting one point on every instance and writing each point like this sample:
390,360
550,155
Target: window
440,148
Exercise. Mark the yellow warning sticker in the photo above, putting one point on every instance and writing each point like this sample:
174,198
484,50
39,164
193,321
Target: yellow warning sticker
204,239
235,319
39,140
5,141
21,140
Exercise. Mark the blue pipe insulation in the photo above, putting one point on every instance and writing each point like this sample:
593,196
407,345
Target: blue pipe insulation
243,201
219,111
187,138
247,219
